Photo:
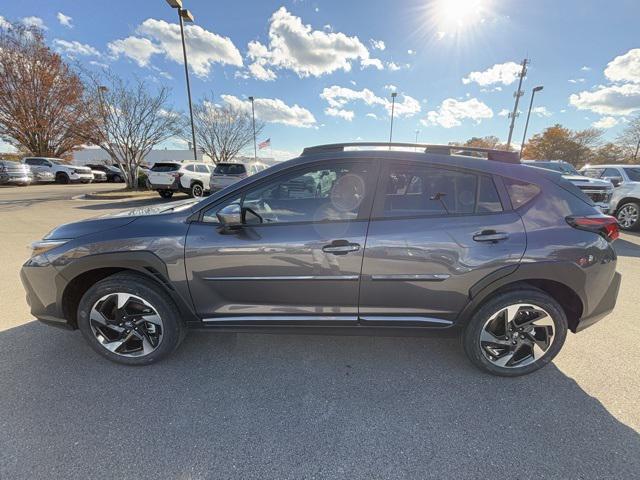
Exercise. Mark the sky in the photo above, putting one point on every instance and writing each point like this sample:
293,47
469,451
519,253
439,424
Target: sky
323,71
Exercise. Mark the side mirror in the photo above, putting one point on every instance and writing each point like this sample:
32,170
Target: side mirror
615,180
230,216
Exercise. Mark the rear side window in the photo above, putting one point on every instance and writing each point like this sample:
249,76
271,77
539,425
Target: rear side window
165,167
418,190
593,172
202,168
520,192
230,169
190,168
633,174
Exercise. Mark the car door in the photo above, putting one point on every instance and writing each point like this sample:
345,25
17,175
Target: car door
297,261
203,173
434,233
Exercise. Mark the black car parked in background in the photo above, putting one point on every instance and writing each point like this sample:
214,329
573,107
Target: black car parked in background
388,242
113,173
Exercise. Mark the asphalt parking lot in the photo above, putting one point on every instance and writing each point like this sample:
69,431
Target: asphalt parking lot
284,406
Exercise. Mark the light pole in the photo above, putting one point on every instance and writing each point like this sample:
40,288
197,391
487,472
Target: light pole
518,93
635,155
417,132
393,104
526,125
253,120
185,15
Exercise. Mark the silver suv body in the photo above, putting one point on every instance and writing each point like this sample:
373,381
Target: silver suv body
625,201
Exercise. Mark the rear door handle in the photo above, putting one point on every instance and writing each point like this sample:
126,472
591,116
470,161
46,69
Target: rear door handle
341,247
490,236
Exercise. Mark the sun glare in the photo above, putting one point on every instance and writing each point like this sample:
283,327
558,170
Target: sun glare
455,15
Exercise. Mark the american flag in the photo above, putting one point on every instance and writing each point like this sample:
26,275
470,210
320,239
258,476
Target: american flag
265,144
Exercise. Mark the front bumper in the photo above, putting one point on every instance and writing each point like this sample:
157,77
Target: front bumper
605,307
81,177
42,285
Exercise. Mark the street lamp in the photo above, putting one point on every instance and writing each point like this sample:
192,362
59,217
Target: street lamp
253,120
185,15
393,104
417,132
526,125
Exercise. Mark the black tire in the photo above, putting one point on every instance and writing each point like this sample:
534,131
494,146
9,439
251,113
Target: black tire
196,190
165,193
628,216
173,328
116,179
478,354
62,178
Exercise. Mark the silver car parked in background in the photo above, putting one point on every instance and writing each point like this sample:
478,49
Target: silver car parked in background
625,201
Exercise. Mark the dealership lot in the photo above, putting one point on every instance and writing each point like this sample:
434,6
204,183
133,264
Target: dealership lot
278,406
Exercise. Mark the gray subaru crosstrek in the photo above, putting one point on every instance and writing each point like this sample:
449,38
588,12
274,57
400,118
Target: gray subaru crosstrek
389,242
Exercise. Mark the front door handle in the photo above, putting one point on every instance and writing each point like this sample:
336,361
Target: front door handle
490,236
341,247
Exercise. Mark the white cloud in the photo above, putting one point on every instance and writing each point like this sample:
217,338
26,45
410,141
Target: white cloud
34,22
261,73
377,44
541,111
605,122
274,110
74,48
411,52
138,49
372,115
295,46
576,80
64,20
337,97
390,87
586,69
609,100
205,48
505,73
452,111
504,112
98,64
394,67
339,112
625,68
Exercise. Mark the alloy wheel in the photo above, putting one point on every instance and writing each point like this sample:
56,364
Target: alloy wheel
126,324
628,216
197,190
517,336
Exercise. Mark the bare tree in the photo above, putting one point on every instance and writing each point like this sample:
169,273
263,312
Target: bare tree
223,131
629,139
40,96
128,120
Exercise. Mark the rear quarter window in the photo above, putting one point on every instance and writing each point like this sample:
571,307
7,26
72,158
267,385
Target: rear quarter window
165,167
520,192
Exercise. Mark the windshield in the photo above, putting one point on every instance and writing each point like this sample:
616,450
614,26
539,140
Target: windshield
565,168
230,169
633,173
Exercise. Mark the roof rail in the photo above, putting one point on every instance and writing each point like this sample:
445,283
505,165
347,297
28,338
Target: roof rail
492,153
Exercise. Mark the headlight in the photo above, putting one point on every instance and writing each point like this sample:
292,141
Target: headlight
42,246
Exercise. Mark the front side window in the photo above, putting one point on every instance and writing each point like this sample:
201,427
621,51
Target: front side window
330,193
418,190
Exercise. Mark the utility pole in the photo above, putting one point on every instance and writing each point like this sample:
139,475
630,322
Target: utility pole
393,104
517,95
253,119
417,132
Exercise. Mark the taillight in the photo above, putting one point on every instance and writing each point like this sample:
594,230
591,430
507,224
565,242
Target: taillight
605,225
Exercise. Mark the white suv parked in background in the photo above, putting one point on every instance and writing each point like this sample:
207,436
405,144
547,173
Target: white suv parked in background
63,172
188,177
625,201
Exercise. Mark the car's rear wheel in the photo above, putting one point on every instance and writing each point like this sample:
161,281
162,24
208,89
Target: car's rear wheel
62,177
130,320
165,193
516,332
116,179
197,190
628,216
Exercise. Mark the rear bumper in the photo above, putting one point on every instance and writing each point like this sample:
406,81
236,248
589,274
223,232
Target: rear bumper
15,179
605,307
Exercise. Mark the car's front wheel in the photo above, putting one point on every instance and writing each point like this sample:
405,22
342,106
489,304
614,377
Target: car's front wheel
62,177
516,332
130,320
628,216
